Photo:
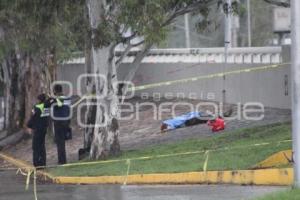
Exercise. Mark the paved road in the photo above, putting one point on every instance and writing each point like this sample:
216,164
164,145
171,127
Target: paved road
12,188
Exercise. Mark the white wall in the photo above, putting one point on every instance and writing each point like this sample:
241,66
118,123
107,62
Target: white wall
270,87
266,86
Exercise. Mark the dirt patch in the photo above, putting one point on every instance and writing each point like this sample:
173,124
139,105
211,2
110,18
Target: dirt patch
145,131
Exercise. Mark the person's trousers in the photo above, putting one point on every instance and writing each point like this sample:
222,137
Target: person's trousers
60,128
38,147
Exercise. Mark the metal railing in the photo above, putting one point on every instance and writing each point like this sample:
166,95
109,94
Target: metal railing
245,55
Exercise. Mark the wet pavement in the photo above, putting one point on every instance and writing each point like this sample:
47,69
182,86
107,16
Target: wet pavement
12,188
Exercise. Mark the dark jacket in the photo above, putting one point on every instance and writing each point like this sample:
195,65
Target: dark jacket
61,108
39,117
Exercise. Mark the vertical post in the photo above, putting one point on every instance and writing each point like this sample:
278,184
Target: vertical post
295,73
227,44
228,28
280,38
187,31
235,28
249,23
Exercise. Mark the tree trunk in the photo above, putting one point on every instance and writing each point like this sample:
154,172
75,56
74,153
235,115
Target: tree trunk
14,100
90,114
25,82
33,85
105,137
106,131
6,81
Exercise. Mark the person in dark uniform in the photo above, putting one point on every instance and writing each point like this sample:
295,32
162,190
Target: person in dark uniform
38,122
60,115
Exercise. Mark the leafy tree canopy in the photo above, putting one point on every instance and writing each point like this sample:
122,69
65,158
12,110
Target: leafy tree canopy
150,19
41,26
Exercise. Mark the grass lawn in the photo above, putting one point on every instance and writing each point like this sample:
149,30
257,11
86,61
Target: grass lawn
241,154
285,195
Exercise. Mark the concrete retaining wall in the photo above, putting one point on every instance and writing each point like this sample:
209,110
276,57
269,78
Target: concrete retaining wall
270,87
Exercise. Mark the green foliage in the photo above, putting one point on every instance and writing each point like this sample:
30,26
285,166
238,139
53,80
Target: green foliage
208,24
240,155
262,27
290,194
103,34
42,26
150,19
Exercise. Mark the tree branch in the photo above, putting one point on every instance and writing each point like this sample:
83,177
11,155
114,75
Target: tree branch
138,44
137,61
187,9
285,4
134,67
127,50
124,54
129,37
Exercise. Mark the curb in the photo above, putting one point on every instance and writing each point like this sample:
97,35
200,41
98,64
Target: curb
277,159
240,177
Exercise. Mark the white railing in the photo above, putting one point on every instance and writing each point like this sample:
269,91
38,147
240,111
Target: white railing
246,55
210,55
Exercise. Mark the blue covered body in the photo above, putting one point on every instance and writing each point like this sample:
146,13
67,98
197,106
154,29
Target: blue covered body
179,121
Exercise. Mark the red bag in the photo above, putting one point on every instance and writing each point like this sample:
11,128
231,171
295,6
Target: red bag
217,124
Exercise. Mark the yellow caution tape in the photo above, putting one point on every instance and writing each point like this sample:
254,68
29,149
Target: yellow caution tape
82,99
191,79
33,171
28,179
209,76
165,155
128,169
30,171
206,161
21,172
34,185
157,156
79,101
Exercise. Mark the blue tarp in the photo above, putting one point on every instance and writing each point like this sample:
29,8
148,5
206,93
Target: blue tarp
179,121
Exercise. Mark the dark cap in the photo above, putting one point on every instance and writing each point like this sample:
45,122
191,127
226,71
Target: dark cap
42,97
57,89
